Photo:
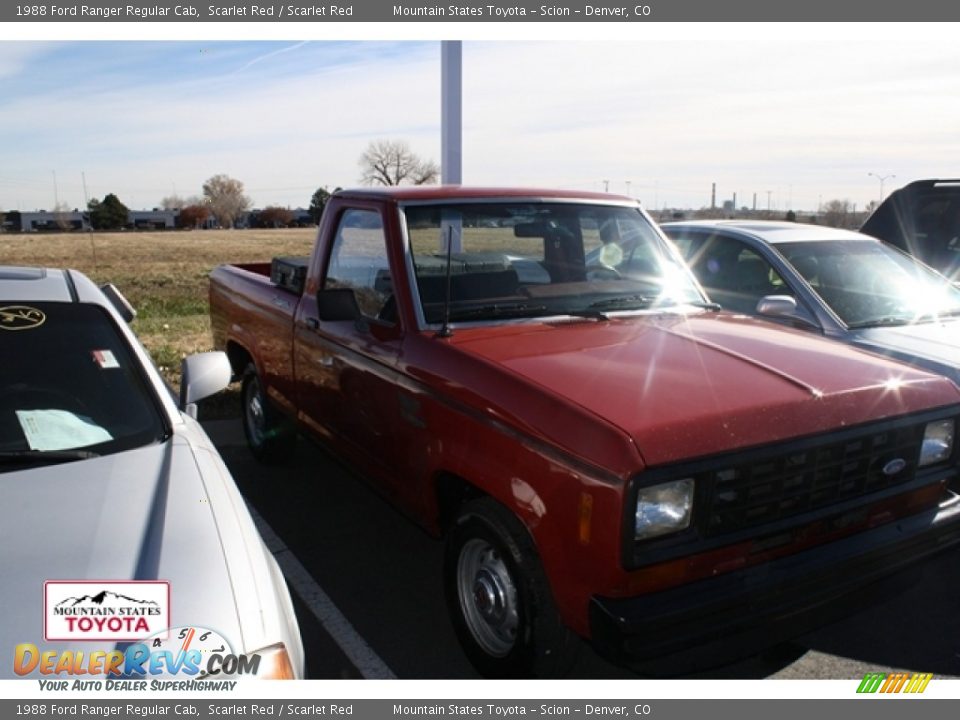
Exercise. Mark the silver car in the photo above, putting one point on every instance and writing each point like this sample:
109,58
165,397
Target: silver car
837,283
122,532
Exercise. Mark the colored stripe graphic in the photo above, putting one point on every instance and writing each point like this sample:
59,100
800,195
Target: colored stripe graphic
894,683
871,683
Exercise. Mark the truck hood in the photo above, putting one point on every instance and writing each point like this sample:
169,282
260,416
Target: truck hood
143,514
687,386
934,346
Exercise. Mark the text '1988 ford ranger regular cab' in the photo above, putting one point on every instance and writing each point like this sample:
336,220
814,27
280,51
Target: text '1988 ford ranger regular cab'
607,454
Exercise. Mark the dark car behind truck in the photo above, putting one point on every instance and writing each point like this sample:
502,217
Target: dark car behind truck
922,219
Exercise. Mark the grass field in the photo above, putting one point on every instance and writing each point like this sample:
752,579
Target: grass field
163,274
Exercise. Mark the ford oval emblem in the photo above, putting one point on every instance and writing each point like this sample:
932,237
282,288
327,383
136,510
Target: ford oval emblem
894,466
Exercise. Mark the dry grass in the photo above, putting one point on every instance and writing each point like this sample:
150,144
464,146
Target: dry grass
163,274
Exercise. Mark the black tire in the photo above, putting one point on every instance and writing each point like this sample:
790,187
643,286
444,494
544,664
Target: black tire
270,436
499,599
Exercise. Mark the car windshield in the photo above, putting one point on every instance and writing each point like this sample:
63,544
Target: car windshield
869,284
71,389
529,259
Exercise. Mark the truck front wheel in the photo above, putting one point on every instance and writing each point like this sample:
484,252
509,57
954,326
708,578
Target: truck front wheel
499,598
270,437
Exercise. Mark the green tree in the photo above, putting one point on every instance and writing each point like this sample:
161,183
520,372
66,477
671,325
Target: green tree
108,214
319,201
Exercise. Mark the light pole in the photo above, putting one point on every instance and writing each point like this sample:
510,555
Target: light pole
882,179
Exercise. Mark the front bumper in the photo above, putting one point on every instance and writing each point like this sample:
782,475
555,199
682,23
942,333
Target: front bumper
747,610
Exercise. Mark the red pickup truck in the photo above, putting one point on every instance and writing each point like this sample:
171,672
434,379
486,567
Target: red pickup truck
606,453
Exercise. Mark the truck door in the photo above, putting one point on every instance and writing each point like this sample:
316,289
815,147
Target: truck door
346,369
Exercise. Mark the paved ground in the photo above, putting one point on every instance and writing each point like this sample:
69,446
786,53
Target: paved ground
368,593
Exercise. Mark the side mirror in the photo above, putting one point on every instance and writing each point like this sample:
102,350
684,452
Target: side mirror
201,376
337,304
783,307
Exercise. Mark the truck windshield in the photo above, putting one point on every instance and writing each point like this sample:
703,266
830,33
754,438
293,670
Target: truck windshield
71,386
525,259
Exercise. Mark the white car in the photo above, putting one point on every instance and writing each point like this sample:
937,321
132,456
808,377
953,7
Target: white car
113,496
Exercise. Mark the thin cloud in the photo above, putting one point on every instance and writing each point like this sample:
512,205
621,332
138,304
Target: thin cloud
797,117
269,55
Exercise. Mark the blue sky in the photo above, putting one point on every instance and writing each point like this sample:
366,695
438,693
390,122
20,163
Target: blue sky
795,115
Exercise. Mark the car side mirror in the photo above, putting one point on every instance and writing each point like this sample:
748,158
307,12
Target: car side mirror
335,304
201,376
783,307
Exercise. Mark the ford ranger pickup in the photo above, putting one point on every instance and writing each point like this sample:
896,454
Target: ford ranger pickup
607,454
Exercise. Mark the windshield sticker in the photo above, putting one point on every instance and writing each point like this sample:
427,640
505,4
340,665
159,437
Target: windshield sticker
20,317
50,430
105,359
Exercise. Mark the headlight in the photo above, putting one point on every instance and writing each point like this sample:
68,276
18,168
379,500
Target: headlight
275,664
664,508
937,442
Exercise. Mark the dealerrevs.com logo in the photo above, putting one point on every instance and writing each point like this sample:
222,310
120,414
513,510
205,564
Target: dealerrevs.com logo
104,611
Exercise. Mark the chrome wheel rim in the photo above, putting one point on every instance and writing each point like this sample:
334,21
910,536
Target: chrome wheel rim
488,597
254,412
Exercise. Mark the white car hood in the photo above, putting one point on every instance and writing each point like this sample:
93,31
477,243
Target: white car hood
138,515
933,345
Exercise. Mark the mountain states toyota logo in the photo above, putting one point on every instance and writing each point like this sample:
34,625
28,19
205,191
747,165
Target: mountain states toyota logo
105,611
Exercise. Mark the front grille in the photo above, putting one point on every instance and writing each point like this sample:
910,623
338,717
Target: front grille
746,495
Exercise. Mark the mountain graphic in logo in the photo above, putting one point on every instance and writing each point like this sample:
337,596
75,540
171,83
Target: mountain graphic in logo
104,596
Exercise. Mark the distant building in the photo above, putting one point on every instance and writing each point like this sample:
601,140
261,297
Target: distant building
52,221
155,219
45,221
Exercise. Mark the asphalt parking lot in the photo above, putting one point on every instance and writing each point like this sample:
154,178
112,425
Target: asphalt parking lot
366,583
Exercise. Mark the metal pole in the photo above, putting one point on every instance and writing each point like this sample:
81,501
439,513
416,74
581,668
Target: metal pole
451,121
882,179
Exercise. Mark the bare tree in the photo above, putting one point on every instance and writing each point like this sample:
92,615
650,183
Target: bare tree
274,216
193,215
225,197
392,162
61,216
836,213
175,202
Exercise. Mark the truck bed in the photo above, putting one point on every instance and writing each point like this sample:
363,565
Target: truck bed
245,302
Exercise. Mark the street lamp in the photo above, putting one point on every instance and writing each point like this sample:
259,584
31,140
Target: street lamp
882,179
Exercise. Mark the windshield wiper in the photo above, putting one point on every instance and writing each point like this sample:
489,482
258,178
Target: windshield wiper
587,313
623,302
44,457
884,321
498,310
934,316
715,307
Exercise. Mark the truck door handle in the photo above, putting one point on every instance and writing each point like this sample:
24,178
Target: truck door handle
313,323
